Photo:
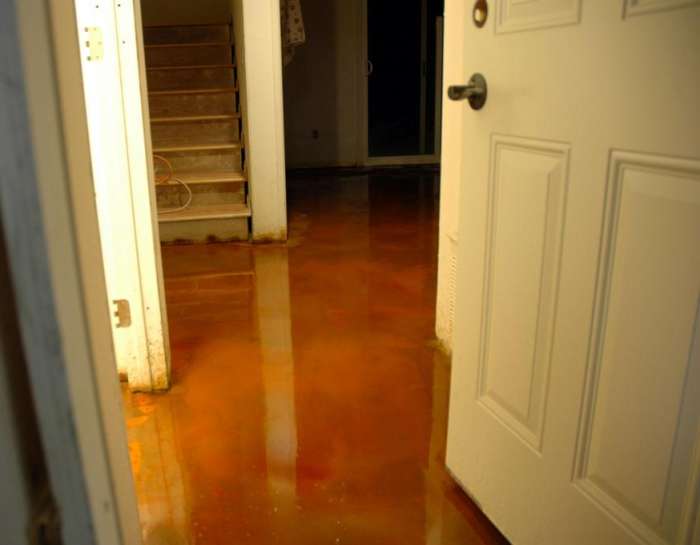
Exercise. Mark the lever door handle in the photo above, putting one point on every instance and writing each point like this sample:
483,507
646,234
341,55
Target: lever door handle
475,91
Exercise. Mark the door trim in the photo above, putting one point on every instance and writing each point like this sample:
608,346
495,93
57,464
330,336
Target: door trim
49,220
137,128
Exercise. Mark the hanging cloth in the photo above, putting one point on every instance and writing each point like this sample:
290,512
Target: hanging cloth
292,23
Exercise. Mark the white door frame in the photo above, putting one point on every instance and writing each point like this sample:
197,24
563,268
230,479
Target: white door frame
143,190
363,137
114,81
450,173
49,221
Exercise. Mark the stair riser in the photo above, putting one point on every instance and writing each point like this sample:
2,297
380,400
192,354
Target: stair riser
176,196
193,55
186,34
190,78
190,232
209,160
199,132
174,105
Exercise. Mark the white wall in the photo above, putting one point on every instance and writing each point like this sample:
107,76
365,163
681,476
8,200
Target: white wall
178,12
451,171
322,86
259,59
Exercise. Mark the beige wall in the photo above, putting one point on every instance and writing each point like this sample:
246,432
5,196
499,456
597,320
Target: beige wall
321,86
178,12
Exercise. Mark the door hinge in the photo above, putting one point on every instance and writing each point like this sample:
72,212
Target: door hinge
94,43
122,312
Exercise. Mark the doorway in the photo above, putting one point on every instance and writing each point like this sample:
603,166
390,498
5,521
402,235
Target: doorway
373,407
404,81
235,448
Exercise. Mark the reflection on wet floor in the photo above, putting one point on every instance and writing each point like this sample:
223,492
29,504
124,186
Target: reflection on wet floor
309,405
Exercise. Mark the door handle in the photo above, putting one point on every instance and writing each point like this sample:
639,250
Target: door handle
475,91
370,67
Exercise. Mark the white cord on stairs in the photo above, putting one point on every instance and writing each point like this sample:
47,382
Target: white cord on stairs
169,178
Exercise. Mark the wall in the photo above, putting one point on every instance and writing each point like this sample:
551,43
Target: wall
174,12
259,61
322,86
21,460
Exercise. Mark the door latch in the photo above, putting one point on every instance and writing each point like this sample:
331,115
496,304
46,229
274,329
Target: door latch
475,92
122,312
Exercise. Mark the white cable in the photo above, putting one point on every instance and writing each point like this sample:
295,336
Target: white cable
170,177
184,206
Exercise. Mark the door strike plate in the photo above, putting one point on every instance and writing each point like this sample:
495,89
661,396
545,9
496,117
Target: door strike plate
94,43
122,313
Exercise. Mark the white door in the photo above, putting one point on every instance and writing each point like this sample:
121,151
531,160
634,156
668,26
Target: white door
574,414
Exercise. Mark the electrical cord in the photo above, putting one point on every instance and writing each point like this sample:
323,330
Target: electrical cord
169,177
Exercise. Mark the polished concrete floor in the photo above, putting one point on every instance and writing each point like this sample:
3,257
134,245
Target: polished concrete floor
309,403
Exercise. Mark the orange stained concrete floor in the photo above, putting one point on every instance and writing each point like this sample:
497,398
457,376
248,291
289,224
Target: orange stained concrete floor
309,404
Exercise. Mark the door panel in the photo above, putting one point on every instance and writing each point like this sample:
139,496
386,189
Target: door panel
514,15
637,448
576,373
640,7
527,197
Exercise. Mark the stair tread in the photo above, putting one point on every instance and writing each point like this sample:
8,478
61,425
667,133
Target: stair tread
190,44
188,118
206,212
192,67
197,147
194,177
187,33
203,91
187,25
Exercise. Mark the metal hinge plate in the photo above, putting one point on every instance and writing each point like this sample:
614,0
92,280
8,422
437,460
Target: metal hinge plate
94,43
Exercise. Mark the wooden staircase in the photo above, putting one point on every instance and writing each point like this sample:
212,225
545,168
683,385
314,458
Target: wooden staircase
197,129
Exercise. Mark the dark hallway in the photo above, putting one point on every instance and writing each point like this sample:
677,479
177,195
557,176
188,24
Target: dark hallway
309,404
